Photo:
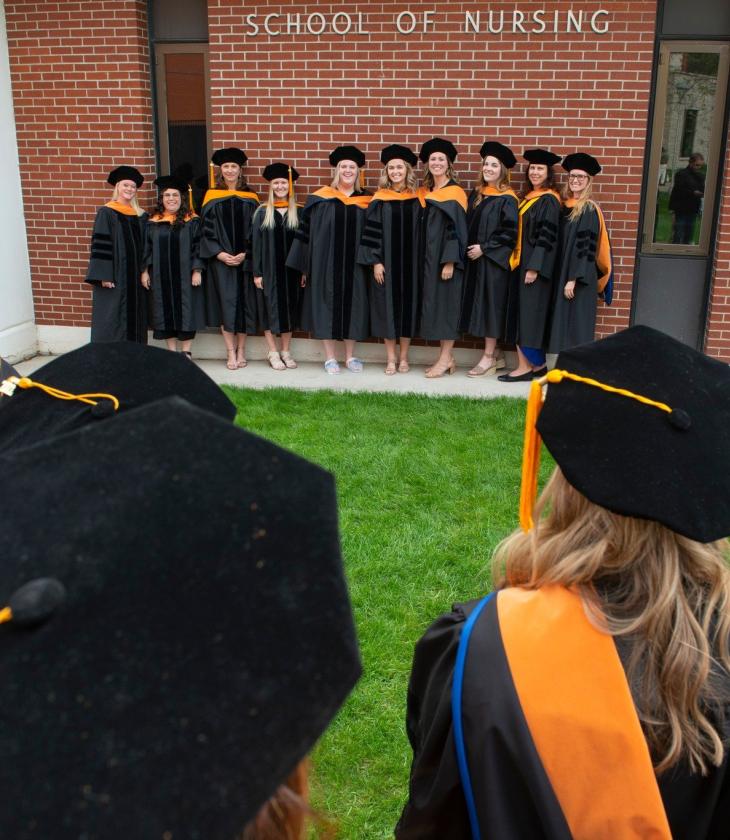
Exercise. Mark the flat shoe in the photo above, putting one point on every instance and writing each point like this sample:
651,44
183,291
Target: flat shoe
403,367
390,369
538,373
354,365
523,377
232,365
241,363
331,366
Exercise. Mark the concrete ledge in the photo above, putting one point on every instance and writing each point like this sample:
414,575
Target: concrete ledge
55,340
19,342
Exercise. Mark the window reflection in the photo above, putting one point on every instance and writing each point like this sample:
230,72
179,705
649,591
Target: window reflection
690,108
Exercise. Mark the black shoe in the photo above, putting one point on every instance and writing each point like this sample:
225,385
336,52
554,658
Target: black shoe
538,373
523,377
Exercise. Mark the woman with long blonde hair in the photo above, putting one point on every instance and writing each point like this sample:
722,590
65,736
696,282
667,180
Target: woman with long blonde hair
389,245
335,300
585,258
588,695
492,224
119,302
274,225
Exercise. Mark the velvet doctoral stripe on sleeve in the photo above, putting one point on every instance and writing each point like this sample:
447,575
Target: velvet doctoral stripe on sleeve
117,252
390,238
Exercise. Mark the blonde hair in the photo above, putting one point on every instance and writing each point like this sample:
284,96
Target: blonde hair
668,595
428,181
268,209
583,203
357,186
502,184
134,202
385,183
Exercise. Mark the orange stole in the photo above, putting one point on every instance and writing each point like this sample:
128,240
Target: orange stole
211,195
121,208
452,193
361,201
582,719
394,195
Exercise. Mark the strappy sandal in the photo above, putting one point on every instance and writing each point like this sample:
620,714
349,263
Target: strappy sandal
241,361
288,359
483,370
232,365
403,367
390,368
275,360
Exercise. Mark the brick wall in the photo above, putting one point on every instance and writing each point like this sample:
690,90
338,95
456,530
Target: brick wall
297,96
718,332
81,90
81,87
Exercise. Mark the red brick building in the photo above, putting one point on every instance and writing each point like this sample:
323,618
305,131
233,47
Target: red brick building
640,85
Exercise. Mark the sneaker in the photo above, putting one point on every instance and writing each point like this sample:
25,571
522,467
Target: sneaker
331,366
355,365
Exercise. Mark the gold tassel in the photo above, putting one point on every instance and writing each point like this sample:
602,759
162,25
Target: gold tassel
190,199
530,455
211,176
291,184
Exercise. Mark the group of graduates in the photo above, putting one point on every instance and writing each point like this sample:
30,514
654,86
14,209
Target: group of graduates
405,262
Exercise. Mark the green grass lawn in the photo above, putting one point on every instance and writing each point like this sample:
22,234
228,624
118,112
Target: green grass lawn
427,487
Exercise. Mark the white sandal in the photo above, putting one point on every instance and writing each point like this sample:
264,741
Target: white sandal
288,360
275,360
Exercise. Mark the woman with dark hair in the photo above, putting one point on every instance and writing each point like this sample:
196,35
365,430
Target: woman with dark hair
441,251
390,245
274,225
119,303
588,696
534,262
335,301
173,271
585,258
232,299
492,224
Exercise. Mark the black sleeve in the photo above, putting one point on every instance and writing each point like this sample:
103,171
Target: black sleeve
545,234
101,258
436,808
582,257
370,251
498,248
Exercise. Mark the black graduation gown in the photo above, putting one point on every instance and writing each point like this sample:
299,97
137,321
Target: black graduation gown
529,304
573,321
282,287
335,299
171,256
232,300
117,250
513,795
493,225
391,238
442,239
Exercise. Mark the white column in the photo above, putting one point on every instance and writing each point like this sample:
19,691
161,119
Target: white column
18,335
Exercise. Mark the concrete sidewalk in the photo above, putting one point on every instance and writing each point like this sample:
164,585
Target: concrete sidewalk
310,376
